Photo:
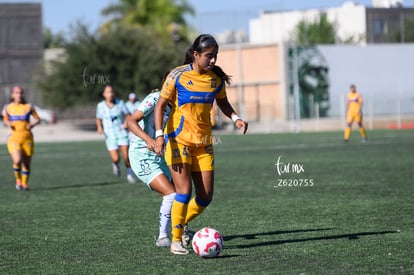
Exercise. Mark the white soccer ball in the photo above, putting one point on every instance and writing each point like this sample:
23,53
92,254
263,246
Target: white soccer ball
207,242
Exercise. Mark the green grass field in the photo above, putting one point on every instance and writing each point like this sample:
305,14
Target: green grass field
356,218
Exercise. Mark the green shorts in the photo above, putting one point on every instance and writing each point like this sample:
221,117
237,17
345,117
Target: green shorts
147,165
114,143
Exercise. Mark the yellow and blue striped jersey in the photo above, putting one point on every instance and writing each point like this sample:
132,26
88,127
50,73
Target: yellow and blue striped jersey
18,115
192,96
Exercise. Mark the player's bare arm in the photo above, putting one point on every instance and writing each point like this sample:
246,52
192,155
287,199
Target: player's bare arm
133,126
99,126
36,119
228,110
158,120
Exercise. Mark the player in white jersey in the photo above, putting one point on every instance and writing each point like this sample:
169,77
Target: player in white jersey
148,166
132,103
111,115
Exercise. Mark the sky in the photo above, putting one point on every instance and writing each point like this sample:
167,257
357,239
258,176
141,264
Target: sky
212,16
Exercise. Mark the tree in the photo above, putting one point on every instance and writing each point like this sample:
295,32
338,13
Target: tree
51,40
408,28
321,31
165,17
128,59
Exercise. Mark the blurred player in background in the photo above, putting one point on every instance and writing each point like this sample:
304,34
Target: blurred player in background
20,142
111,115
189,153
132,103
354,113
149,167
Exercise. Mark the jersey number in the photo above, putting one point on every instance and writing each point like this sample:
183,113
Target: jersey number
145,167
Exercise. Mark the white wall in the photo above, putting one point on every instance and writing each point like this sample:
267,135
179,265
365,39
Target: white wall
382,73
350,21
279,26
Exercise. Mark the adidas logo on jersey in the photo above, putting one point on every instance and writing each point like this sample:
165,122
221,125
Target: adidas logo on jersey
190,82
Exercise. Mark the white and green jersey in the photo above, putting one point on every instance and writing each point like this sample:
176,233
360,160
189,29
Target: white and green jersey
132,107
113,118
147,124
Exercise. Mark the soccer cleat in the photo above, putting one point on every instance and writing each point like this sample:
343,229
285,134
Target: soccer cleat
187,236
177,248
130,178
364,140
163,242
115,169
19,186
25,187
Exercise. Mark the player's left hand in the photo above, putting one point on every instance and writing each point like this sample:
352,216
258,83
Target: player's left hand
151,145
242,125
159,146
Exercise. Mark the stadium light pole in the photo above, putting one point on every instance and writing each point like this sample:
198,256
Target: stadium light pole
296,87
240,86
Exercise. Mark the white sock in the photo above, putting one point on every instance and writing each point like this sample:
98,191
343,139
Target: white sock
115,169
165,215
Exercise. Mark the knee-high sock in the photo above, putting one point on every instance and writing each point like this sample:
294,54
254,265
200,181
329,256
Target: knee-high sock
195,208
362,132
165,215
178,213
347,133
25,177
17,173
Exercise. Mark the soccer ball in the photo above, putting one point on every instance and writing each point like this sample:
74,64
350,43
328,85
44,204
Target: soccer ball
207,242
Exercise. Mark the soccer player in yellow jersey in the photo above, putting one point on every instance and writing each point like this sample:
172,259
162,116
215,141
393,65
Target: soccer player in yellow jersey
20,144
354,113
187,136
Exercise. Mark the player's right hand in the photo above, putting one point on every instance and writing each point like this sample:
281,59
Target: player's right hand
242,125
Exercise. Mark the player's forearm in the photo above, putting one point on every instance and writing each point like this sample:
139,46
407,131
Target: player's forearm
159,113
137,130
225,107
7,122
99,125
36,122
128,116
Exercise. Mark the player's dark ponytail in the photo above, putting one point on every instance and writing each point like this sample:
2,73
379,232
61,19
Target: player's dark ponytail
219,71
188,58
202,42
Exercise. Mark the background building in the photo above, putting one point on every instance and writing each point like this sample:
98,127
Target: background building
354,23
387,25
21,47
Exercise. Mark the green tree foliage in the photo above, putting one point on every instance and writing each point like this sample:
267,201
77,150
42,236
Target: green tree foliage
408,37
51,40
128,59
165,17
320,31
